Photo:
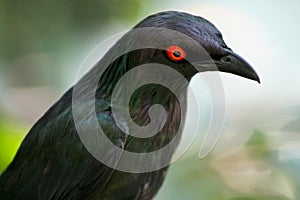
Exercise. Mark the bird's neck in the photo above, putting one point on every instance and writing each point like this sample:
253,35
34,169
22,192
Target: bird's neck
141,100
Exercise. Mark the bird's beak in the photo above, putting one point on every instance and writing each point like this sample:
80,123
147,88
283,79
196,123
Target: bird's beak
235,64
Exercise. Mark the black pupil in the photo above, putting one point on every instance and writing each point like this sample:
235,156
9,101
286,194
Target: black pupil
177,54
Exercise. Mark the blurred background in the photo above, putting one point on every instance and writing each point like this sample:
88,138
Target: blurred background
43,43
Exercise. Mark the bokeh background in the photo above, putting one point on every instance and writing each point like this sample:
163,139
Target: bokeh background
43,43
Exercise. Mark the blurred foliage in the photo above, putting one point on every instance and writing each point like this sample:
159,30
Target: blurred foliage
258,145
251,172
40,26
11,136
42,42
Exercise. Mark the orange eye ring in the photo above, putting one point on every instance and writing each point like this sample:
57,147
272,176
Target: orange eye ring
175,53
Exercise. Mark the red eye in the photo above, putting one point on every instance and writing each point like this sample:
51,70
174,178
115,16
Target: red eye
175,53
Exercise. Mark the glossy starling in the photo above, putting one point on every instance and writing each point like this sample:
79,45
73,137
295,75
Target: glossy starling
52,161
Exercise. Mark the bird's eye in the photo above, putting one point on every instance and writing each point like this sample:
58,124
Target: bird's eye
175,53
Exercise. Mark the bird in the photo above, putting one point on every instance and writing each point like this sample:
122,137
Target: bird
53,162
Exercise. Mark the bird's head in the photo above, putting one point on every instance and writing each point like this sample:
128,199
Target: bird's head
205,50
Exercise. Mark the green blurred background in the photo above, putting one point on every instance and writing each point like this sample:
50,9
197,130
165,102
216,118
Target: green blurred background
43,43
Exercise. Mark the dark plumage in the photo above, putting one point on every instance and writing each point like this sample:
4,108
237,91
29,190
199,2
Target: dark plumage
52,162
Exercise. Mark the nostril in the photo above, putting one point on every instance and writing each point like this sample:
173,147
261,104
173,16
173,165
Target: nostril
226,59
